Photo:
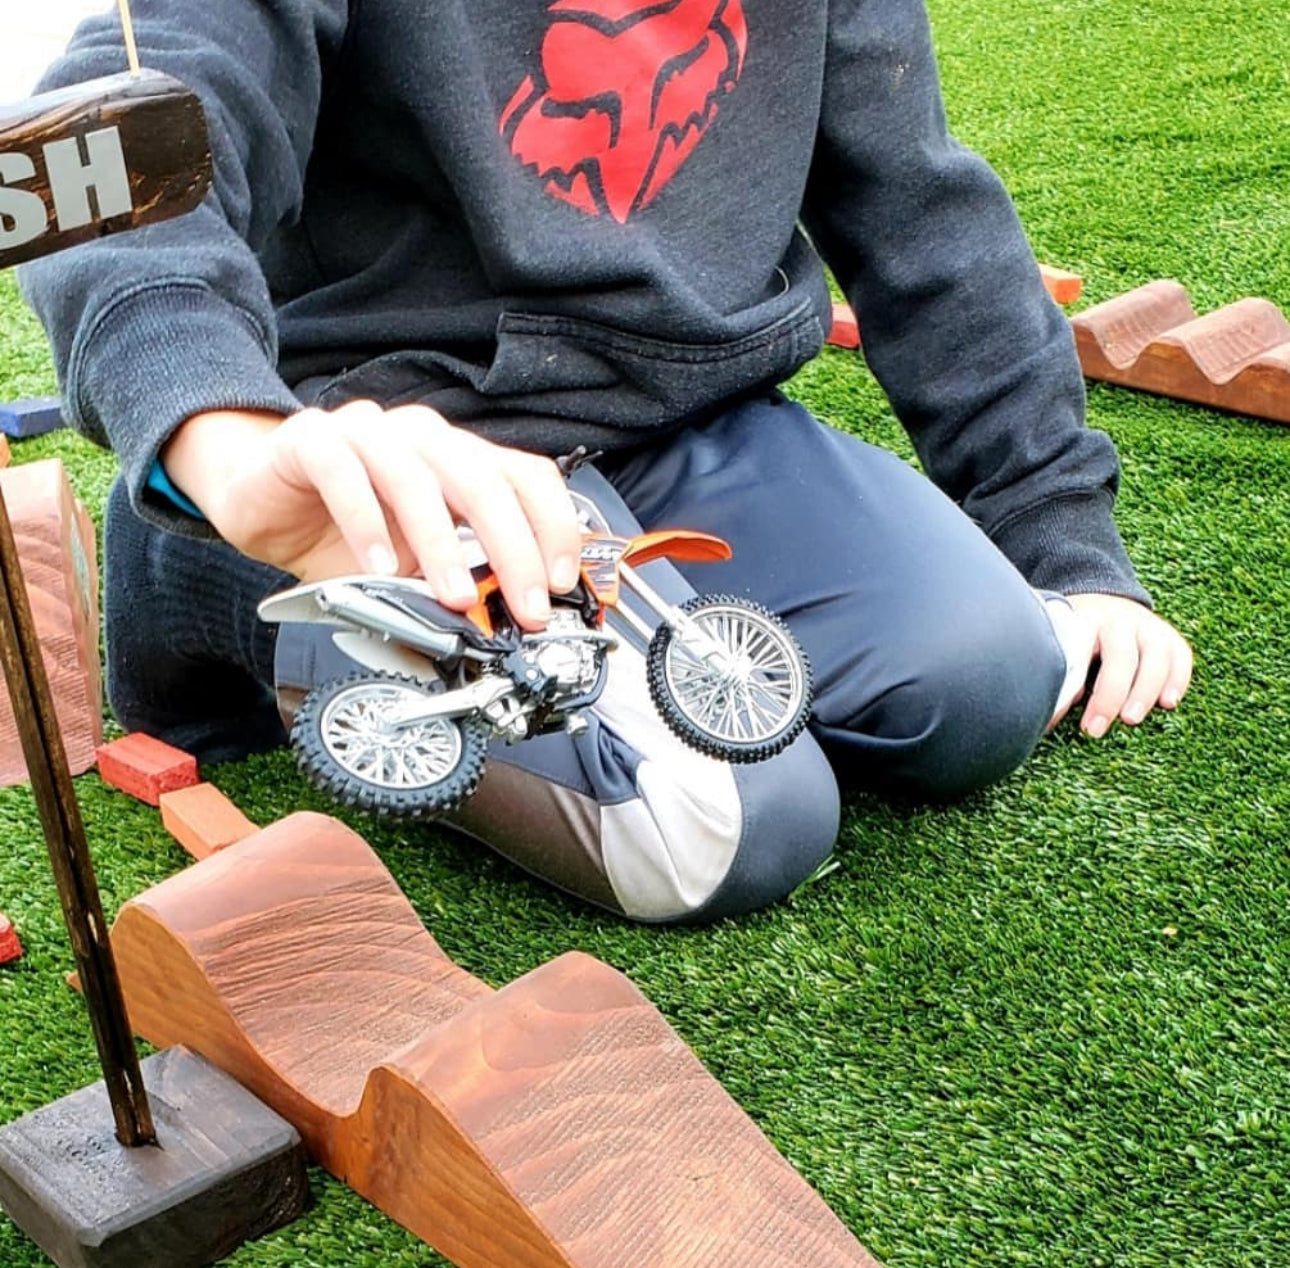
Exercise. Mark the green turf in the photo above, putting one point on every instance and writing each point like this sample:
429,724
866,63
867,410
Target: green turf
1045,1027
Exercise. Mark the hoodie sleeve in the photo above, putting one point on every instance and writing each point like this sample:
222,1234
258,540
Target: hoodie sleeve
150,327
978,362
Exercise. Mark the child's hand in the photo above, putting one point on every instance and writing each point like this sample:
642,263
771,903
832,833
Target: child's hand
1145,662
363,489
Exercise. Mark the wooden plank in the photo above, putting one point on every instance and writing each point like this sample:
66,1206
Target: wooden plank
32,417
96,158
203,820
228,1168
556,1123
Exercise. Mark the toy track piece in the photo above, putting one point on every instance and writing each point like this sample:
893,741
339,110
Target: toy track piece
1236,358
10,947
203,820
1064,287
32,417
347,748
145,767
745,721
845,331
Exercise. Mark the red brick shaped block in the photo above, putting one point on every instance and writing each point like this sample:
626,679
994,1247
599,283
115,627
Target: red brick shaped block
1064,287
145,767
203,820
846,329
10,947
55,541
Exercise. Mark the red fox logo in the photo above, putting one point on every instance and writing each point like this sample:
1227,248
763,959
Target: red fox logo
626,90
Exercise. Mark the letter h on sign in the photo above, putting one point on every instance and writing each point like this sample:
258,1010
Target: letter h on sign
98,157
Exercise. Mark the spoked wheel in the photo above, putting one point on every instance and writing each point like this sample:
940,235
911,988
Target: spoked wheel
746,702
349,744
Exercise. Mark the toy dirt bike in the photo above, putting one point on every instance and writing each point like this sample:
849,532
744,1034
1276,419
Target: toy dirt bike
407,734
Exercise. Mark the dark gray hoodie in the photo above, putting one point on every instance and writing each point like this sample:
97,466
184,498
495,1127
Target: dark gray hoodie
585,221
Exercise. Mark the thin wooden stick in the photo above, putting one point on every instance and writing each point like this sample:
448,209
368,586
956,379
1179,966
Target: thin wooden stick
127,27
69,855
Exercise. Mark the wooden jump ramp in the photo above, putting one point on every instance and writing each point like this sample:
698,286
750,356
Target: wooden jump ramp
558,1122
1236,358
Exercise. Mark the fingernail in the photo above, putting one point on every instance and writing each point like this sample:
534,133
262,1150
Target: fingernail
537,603
459,586
564,573
1169,700
1096,726
1133,713
381,559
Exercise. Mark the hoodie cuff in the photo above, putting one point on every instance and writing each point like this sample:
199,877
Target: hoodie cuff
1070,545
153,358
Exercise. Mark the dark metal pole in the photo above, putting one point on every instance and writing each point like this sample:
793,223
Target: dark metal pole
51,784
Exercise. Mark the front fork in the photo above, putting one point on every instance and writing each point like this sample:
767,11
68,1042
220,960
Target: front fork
689,631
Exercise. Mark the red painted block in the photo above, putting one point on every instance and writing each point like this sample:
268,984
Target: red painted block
1064,287
145,767
203,820
10,947
846,329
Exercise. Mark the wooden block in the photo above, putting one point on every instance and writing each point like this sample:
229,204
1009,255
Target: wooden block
33,417
10,947
556,1123
145,767
6,454
55,540
1235,359
203,820
1064,287
845,332
228,1169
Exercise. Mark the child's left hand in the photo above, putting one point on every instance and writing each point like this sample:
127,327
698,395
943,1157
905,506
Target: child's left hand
1145,662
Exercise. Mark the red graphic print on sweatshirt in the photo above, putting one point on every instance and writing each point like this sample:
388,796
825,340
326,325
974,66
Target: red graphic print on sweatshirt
625,91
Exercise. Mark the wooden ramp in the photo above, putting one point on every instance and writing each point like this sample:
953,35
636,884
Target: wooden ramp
1236,358
558,1121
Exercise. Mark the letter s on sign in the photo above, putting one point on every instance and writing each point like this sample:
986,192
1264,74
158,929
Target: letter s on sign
22,213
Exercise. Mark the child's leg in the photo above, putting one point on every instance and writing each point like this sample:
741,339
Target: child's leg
936,666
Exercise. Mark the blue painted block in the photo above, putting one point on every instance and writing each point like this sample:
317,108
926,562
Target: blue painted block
32,417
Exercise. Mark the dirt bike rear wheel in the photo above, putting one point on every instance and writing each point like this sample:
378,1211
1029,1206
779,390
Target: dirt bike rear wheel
751,708
347,746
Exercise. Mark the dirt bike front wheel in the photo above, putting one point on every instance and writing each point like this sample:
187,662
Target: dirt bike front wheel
743,704
349,745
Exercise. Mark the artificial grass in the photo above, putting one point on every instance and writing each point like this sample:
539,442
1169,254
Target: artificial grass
1043,1027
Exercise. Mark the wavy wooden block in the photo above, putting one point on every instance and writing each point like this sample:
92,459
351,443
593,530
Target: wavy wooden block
1236,358
556,1123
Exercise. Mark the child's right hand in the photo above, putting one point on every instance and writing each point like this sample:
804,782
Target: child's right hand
365,489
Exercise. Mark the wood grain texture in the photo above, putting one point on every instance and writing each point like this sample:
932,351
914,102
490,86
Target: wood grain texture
163,139
227,1169
56,547
203,820
1235,359
556,1123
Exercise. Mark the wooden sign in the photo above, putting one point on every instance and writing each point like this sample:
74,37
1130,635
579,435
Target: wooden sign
96,158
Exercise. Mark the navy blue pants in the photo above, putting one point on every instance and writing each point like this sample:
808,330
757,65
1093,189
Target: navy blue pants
936,668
